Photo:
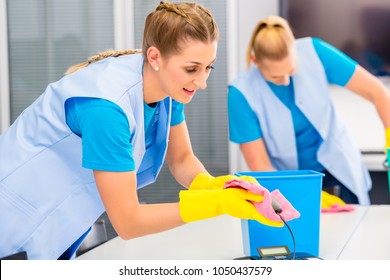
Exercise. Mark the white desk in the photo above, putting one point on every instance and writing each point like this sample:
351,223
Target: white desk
216,238
361,234
371,237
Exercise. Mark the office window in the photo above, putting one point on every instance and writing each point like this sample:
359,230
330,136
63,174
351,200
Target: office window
46,37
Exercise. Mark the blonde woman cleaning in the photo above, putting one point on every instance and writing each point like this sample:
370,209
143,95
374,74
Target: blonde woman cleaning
281,113
104,130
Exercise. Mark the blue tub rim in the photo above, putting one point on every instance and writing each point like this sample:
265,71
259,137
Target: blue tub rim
281,174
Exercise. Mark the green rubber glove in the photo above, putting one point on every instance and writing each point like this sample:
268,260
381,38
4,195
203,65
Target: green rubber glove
205,181
203,204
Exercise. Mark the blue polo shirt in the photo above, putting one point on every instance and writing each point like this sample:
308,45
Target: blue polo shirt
104,130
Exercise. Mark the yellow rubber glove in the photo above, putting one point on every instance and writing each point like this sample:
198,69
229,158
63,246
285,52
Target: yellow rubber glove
205,181
327,200
332,203
203,204
387,134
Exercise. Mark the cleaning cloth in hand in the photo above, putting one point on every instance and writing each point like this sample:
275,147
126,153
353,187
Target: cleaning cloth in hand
265,207
332,204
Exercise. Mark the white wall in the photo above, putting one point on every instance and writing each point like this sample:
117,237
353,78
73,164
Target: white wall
249,13
363,122
361,119
243,16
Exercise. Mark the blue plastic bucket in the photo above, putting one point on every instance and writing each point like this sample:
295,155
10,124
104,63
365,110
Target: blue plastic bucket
302,188
388,166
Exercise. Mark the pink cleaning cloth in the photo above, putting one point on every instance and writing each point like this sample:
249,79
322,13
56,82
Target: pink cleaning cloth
338,208
265,207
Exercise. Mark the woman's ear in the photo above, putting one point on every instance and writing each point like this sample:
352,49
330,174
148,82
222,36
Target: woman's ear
154,56
253,59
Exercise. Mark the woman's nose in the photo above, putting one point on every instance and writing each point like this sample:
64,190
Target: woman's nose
201,82
286,80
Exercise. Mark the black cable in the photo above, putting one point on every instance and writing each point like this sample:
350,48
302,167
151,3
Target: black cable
292,235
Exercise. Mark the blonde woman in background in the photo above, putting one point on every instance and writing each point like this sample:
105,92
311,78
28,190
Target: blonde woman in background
103,131
281,113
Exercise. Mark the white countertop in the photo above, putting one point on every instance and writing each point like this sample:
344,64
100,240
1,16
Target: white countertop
361,234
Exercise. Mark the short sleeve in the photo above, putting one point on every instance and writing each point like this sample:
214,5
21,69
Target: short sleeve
177,113
104,130
244,125
338,66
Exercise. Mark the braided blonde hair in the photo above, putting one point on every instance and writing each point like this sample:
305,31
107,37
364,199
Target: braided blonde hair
271,39
102,55
166,28
173,23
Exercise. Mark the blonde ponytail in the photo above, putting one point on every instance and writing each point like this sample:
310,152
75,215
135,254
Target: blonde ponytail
271,39
249,51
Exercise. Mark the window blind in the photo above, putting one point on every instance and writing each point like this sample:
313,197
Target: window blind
46,37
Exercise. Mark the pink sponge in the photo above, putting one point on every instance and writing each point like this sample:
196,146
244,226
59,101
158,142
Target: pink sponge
265,207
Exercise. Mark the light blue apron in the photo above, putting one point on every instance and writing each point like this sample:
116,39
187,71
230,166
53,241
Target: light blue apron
338,152
47,199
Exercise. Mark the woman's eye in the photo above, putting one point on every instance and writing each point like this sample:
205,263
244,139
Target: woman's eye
192,70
